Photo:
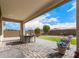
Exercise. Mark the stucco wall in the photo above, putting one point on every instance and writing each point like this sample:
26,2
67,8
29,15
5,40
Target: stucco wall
63,32
11,33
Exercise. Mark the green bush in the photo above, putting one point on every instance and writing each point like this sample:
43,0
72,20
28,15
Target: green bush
46,29
37,31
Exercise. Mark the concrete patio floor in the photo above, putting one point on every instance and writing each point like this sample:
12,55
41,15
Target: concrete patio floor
39,49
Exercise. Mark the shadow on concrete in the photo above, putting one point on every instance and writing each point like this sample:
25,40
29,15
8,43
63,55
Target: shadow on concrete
15,43
55,55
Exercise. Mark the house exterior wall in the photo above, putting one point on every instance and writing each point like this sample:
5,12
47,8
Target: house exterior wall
63,32
16,33
11,33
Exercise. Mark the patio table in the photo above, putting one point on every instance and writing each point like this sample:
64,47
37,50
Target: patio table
27,38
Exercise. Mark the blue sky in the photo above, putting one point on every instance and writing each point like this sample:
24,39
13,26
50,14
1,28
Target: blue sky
62,17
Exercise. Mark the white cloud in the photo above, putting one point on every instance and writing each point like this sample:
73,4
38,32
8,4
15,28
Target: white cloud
73,7
36,23
64,26
43,20
52,20
40,22
49,20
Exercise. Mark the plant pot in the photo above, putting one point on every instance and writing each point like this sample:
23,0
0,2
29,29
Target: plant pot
61,49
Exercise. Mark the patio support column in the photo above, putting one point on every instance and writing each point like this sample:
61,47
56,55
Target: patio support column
77,21
22,32
1,27
1,30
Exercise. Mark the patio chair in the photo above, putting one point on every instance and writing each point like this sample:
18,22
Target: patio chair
67,41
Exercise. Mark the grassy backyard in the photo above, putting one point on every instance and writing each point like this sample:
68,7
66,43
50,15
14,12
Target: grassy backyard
56,39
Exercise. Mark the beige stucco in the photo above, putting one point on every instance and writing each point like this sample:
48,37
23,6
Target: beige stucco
0,26
22,31
1,30
77,25
24,9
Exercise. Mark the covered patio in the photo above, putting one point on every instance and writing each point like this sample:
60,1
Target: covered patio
22,11
39,49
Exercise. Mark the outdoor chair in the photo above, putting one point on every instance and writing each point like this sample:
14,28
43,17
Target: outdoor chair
67,41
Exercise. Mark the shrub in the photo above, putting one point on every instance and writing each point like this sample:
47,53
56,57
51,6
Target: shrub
37,31
46,29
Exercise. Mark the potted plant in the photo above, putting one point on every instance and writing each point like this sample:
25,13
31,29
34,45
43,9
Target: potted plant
62,47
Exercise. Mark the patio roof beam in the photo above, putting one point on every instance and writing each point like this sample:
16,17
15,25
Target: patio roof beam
45,9
11,20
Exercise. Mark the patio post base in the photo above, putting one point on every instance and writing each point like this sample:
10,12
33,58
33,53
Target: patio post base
76,55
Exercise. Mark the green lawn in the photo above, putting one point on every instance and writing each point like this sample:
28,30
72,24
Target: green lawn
56,39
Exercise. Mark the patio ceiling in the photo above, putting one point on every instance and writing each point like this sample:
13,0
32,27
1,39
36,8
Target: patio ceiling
25,10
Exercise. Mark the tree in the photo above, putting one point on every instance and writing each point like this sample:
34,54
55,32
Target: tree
46,29
37,31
